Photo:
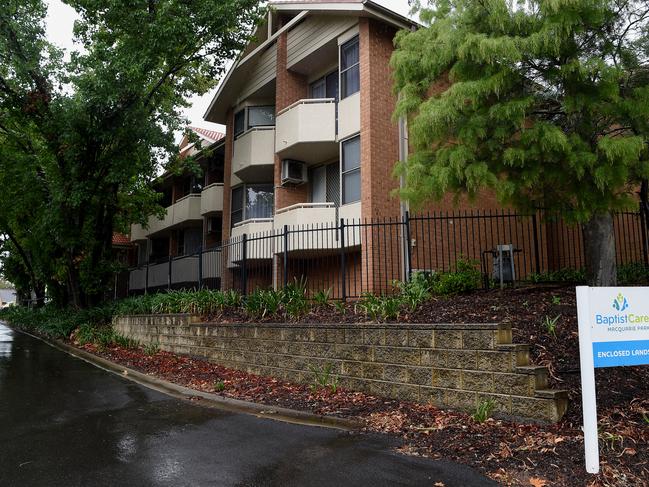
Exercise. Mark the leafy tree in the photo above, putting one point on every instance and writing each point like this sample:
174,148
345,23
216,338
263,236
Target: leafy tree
81,138
545,102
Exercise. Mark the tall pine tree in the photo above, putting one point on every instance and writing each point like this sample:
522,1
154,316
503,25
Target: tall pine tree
546,102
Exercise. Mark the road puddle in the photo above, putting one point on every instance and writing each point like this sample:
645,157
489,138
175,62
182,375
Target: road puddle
6,341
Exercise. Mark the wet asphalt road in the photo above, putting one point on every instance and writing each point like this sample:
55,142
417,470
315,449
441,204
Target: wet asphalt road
66,423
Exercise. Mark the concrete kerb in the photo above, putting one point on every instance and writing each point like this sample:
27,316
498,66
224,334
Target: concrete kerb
207,400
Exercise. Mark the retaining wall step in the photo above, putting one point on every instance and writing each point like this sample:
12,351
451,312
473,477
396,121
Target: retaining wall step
450,365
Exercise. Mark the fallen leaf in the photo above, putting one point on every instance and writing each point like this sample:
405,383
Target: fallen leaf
537,482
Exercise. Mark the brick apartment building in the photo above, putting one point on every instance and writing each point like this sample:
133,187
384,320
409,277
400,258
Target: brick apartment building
310,141
309,136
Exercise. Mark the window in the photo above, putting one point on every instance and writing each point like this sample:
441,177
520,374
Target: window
252,201
349,68
239,122
249,117
237,205
325,184
325,87
259,201
261,116
351,170
318,89
159,250
180,241
214,226
142,250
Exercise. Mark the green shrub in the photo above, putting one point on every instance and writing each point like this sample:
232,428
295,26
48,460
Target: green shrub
151,348
633,274
321,298
323,378
371,306
415,291
550,324
466,278
57,322
99,335
380,308
567,274
232,298
483,410
294,299
262,303
219,386
124,342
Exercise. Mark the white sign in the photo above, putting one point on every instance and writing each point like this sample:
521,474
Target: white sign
613,331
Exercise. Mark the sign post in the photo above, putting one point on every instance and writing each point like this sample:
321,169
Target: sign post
613,331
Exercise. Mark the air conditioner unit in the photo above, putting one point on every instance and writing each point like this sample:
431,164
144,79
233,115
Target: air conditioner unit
293,172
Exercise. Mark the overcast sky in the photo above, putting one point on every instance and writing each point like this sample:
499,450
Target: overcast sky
61,18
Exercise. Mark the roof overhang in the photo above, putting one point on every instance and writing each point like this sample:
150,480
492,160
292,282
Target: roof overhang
227,93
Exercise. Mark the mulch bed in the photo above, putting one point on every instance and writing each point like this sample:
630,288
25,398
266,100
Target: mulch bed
511,453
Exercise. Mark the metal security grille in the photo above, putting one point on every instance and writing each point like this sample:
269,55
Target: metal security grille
333,183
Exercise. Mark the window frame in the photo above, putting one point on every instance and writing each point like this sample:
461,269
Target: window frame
341,71
346,172
243,210
246,119
235,131
248,126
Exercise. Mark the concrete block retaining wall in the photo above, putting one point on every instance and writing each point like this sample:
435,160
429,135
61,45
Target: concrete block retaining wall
449,365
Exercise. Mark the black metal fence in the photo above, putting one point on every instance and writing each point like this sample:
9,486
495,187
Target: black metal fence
353,257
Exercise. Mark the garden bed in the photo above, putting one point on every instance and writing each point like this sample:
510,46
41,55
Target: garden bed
508,452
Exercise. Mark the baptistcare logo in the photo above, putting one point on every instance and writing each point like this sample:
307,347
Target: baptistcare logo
620,303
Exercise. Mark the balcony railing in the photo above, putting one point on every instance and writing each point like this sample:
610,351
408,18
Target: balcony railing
212,199
306,130
202,268
186,209
253,157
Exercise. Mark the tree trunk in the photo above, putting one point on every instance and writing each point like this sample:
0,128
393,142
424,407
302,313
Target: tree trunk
599,247
74,285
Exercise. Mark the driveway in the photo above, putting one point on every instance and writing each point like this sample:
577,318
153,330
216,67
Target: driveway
64,422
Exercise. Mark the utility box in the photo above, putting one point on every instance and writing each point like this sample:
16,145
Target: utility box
503,267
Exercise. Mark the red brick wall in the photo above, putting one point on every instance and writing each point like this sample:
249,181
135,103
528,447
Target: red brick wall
227,173
290,87
379,134
379,146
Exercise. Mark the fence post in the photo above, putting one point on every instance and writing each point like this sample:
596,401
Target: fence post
171,260
146,278
343,276
200,267
535,231
285,270
408,249
244,265
643,226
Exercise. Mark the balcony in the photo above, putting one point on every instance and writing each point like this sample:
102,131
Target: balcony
185,271
306,214
260,243
314,228
212,199
306,131
253,158
138,232
183,211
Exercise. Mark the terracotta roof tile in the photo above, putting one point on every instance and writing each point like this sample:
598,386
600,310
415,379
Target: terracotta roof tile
213,135
121,239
